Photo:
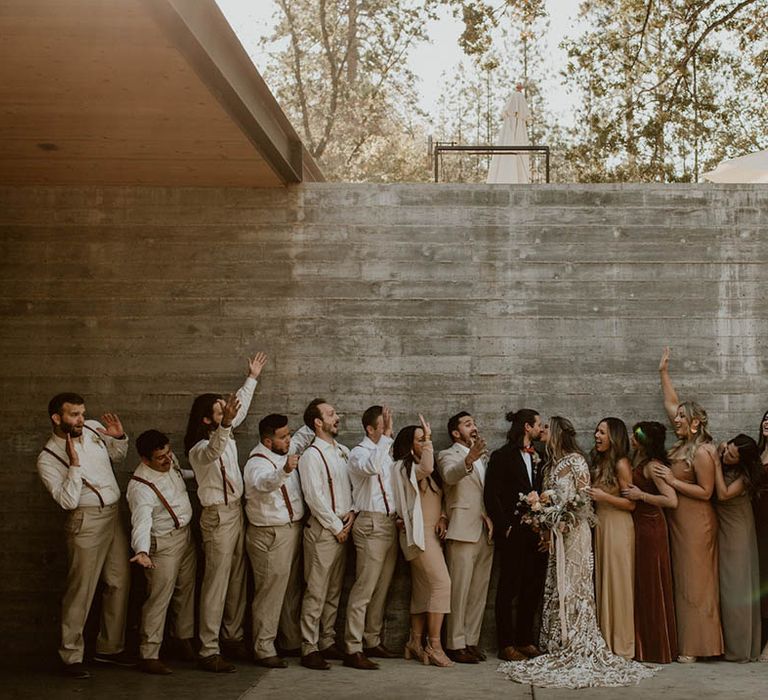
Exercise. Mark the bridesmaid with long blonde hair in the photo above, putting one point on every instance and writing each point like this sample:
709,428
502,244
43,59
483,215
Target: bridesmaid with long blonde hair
692,525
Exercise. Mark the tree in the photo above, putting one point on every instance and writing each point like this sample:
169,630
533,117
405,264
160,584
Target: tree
340,71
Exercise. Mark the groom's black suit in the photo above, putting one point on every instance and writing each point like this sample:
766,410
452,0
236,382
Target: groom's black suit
522,566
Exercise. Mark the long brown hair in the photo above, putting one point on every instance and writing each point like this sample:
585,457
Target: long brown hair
562,439
402,452
603,464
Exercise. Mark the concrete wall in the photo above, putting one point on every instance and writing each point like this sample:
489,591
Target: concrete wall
428,298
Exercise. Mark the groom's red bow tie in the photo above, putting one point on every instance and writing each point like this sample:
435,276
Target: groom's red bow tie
528,449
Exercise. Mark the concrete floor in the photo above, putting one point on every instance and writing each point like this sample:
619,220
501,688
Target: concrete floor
396,679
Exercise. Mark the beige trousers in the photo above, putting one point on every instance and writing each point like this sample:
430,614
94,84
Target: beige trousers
275,555
222,594
375,538
98,549
170,583
324,560
469,565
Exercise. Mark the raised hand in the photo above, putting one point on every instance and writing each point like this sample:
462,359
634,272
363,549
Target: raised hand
231,409
477,449
142,559
425,427
664,361
256,364
74,458
291,463
387,415
114,428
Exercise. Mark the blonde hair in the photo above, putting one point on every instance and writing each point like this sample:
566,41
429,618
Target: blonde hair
693,411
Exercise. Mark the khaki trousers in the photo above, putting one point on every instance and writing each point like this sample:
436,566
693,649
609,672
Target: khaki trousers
170,583
469,566
375,538
275,556
222,594
97,549
324,560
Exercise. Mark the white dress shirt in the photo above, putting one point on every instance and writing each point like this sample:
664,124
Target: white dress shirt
478,465
206,456
263,478
149,517
95,451
528,464
370,471
317,490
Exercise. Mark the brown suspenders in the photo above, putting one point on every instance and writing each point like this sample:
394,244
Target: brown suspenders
283,490
328,474
176,522
86,483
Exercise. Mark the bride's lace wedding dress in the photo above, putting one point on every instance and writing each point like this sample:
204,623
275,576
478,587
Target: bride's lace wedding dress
577,656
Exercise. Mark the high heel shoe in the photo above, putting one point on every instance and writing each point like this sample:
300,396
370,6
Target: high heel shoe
414,650
436,657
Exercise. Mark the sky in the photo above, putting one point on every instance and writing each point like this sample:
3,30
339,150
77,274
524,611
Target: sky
252,20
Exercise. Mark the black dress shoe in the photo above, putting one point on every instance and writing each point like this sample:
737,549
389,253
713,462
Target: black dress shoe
76,670
477,652
332,653
271,662
314,661
461,656
380,652
361,661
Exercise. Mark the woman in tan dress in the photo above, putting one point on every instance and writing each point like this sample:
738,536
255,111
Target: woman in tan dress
737,476
761,525
614,537
692,525
422,523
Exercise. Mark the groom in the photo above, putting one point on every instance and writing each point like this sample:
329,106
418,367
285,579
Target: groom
514,469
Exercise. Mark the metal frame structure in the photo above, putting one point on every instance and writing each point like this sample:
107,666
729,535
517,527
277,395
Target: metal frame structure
438,147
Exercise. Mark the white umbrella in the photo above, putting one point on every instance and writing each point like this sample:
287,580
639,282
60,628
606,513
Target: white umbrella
512,168
751,168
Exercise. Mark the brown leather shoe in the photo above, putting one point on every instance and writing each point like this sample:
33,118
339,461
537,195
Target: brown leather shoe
314,661
271,662
236,650
461,656
530,650
76,670
380,652
477,652
333,653
155,667
511,654
361,661
215,663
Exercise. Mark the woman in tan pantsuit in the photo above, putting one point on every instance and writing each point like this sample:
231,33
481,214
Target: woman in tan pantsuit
418,498
692,525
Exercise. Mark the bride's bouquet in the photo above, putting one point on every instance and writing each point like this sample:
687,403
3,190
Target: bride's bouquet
549,511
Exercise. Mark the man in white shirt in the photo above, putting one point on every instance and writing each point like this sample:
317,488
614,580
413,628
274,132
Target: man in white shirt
212,453
469,544
275,508
375,537
328,493
162,542
76,468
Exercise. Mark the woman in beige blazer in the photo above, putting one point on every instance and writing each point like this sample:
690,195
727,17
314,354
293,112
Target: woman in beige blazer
419,501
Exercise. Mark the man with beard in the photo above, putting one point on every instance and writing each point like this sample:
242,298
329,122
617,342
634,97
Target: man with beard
274,507
515,468
212,453
76,468
469,547
328,493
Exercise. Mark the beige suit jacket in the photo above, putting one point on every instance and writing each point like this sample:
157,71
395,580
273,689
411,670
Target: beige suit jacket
463,495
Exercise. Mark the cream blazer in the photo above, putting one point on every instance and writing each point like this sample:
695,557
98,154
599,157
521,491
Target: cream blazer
408,501
463,495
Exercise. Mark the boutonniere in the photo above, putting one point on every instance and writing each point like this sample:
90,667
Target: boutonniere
535,458
95,438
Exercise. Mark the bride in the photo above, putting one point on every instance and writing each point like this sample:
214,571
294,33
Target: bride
577,656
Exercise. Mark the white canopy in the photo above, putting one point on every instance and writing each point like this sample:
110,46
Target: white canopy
512,168
750,168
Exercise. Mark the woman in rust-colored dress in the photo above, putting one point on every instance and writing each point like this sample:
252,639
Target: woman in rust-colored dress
655,625
692,526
